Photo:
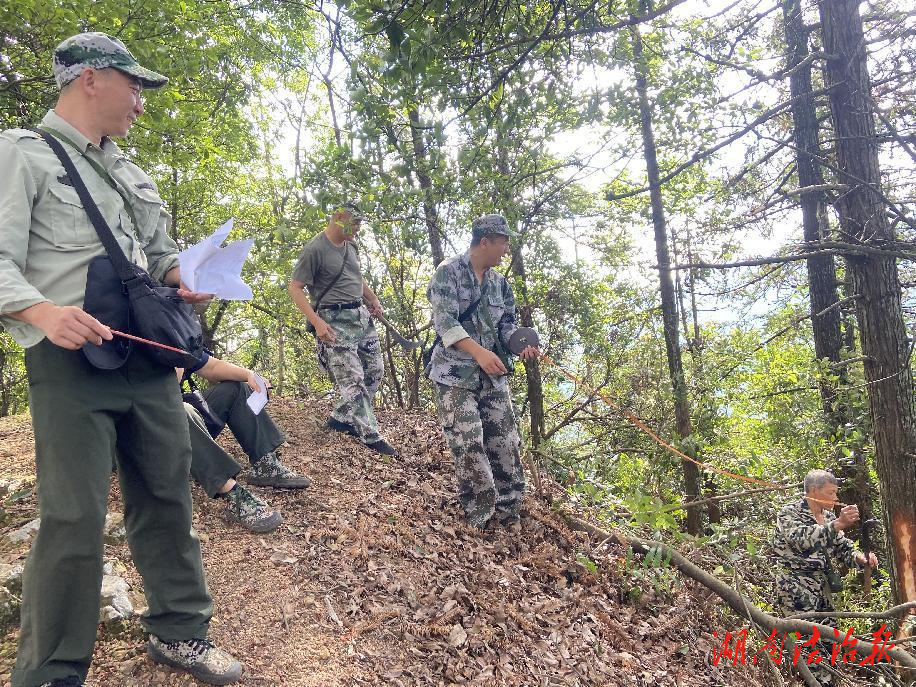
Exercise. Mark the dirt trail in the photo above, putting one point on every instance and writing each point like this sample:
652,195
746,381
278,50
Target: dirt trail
374,580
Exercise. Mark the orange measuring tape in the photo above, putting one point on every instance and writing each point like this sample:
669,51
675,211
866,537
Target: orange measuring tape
148,342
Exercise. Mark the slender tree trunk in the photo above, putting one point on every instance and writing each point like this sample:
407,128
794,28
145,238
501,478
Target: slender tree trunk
5,391
209,329
532,367
875,280
669,303
429,205
822,277
281,359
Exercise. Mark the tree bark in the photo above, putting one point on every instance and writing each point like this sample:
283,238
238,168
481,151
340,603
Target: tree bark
882,333
666,285
421,163
822,277
532,367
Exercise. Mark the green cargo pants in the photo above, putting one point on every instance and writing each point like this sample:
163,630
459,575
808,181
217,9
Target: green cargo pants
82,417
258,434
211,466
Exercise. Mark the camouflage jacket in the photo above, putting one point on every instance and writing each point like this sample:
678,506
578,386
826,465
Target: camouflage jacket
801,544
452,289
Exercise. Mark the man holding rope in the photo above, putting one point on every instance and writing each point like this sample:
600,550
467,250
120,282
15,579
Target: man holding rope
474,317
84,416
808,538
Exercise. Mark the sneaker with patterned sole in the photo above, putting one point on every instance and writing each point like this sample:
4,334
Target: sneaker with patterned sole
198,657
268,471
249,511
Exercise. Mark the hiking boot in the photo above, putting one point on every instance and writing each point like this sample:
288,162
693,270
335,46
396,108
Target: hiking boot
69,681
249,511
197,656
383,447
345,427
268,471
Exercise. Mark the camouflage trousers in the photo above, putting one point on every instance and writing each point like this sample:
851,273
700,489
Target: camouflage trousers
801,592
480,429
355,367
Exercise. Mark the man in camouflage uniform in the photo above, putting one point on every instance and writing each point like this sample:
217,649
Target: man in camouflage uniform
468,367
83,416
347,342
809,539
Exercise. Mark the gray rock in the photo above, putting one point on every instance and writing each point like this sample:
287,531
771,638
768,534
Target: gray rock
116,604
11,485
24,533
115,532
10,593
11,577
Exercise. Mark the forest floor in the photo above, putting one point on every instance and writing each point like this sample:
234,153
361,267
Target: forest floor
373,579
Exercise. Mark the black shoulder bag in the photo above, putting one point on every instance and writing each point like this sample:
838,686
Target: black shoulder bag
462,318
309,327
154,312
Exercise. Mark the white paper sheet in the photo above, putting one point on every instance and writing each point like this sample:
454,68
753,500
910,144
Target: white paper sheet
208,267
258,399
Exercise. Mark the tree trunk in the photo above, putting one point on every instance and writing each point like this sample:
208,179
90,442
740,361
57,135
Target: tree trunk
822,277
875,280
669,304
281,359
429,205
532,367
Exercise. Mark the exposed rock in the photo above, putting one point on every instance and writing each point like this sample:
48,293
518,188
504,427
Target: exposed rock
10,593
24,533
10,485
115,532
115,604
11,577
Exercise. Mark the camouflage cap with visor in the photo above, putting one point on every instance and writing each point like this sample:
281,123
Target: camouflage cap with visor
98,50
488,225
353,207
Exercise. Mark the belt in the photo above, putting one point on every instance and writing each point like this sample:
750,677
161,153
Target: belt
342,306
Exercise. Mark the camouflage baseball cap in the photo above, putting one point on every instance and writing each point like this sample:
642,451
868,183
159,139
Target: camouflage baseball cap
488,225
353,208
99,50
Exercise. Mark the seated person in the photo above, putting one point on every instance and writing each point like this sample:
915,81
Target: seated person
258,435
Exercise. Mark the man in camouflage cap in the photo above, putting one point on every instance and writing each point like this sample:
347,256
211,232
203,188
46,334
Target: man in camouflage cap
85,417
474,316
809,539
340,306
95,50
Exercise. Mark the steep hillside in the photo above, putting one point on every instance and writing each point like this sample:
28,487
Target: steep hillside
374,580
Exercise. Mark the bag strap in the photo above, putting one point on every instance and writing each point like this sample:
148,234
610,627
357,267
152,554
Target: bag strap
101,171
462,317
468,311
343,264
121,264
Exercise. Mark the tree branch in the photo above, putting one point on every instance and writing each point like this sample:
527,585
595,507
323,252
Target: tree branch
739,603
